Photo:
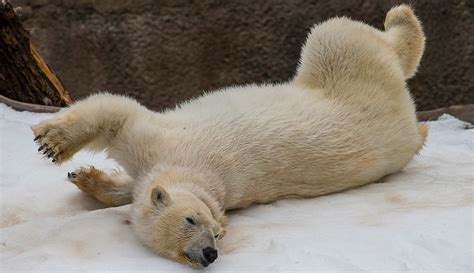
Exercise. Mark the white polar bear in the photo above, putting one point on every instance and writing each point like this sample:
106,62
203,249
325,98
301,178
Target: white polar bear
345,120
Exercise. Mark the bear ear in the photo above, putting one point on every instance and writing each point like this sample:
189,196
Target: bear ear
159,197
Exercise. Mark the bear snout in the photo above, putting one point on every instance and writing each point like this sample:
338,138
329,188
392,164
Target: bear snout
210,255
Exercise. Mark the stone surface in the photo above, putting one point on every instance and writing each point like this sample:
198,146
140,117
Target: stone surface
164,52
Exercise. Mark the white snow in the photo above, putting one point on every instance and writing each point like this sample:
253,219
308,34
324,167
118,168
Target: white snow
419,220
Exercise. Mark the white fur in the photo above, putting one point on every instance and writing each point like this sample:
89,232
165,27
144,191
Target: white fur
345,120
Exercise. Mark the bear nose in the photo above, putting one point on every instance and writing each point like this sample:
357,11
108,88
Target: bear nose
210,254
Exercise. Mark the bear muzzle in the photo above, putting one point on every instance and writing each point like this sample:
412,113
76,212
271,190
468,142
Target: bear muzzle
209,256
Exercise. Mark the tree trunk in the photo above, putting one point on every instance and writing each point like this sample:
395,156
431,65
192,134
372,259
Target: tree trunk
24,76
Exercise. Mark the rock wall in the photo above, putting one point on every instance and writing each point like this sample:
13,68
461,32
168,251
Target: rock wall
164,52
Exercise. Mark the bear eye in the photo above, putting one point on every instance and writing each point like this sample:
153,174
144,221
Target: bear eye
216,236
190,220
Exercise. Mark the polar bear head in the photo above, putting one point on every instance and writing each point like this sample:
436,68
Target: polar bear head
178,225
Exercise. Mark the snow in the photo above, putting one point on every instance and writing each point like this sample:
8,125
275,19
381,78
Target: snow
419,220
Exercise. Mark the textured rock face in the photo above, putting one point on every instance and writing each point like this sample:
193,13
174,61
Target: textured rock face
164,52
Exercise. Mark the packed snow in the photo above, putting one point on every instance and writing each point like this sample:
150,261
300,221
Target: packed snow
418,220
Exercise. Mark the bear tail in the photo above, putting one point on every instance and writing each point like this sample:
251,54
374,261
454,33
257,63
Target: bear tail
405,34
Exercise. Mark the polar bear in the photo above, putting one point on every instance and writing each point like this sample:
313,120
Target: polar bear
346,119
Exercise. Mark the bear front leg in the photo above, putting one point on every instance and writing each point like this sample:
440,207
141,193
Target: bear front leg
111,189
95,122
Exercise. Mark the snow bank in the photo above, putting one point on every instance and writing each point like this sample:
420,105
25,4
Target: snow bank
418,220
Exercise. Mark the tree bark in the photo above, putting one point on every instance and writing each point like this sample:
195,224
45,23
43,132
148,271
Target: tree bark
24,76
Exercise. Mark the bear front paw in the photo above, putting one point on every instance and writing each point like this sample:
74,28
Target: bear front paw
86,179
94,182
54,141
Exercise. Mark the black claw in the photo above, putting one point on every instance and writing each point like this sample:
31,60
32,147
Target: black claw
54,160
36,138
73,174
42,147
68,175
50,154
47,151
